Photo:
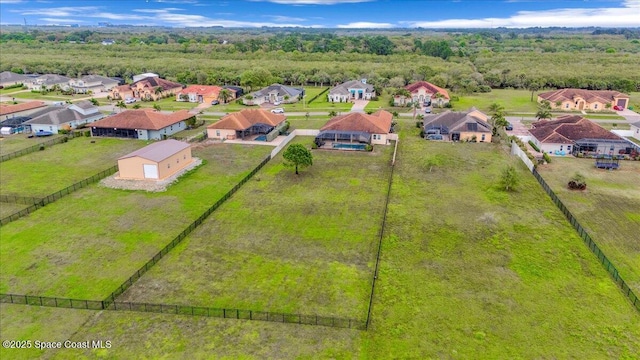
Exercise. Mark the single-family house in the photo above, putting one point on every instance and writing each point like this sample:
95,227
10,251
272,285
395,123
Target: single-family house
245,124
149,88
107,42
49,81
274,94
92,83
424,93
573,134
352,90
635,129
471,125
578,99
199,94
8,78
69,117
157,161
144,124
356,128
21,109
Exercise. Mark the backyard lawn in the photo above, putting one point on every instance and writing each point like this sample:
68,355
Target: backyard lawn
167,104
15,142
285,243
512,100
609,209
50,96
87,243
62,165
468,270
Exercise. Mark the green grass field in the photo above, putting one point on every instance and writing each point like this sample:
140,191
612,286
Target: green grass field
62,165
609,208
168,104
50,96
286,243
87,243
7,209
516,101
15,142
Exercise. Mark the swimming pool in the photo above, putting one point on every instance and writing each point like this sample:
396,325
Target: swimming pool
349,146
261,138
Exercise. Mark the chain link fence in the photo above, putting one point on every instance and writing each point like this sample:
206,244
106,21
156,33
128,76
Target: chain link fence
38,146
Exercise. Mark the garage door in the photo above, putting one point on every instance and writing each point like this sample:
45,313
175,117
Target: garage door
150,171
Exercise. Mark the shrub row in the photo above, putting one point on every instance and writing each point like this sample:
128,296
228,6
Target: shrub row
546,158
523,148
317,96
534,146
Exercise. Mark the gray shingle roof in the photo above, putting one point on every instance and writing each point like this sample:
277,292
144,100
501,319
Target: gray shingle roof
158,151
343,89
457,121
282,90
58,116
8,76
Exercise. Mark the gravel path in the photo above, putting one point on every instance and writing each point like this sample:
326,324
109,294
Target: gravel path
146,185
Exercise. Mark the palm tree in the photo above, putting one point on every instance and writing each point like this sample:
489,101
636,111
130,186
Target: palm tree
158,91
137,106
495,108
156,107
121,105
498,121
224,95
415,105
544,111
94,101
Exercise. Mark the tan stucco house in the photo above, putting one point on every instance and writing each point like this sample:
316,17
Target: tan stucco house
245,123
150,88
357,128
424,93
199,94
578,99
157,161
459,126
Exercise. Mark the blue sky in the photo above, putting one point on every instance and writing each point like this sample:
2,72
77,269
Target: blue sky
327,13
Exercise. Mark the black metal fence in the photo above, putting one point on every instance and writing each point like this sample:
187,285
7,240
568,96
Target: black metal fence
178,239
183,310
15,199
40,202
36,147
590,243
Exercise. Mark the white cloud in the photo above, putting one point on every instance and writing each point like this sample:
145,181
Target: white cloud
313,2
58,11
10,1
366,25
282,18
62,21
627,16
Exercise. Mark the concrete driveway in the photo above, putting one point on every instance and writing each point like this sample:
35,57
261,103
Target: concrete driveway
358,105
631,116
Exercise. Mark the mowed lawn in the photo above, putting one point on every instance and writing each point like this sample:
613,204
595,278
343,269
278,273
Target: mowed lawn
470,271
41,173
284,243
86,244
7,209
16,142
512,100
609,209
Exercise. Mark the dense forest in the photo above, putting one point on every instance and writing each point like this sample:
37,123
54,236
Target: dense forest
461,60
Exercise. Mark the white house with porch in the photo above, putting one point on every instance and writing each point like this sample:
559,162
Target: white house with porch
352,90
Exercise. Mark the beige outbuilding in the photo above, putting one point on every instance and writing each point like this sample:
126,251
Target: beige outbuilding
157,161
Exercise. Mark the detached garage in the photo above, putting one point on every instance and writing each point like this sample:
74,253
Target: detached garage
157,161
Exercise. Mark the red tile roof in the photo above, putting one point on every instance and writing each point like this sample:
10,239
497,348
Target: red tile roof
429,86
376,123
603,96
568,129
203,90
146,119
246,118
12,109
154,82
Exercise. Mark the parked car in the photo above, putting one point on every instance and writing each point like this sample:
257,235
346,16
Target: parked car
509,126
215,102
276,103
277,111
129,100
435,137
427,110
618,108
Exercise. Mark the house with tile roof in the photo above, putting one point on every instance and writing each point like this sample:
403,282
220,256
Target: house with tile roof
423,93
49,81
357,128
471,125
273,94
8,78
56,118
246,124
144,124
572,134
21,109
150,89
352,90
199,94
92,83
578,99
157,161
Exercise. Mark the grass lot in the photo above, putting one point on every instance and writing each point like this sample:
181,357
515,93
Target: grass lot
62,165
619,126
51,96
9,91
313,123
15,142
7,209
634,100
468,269
516,101
609,209
168,104
87,243
287,243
